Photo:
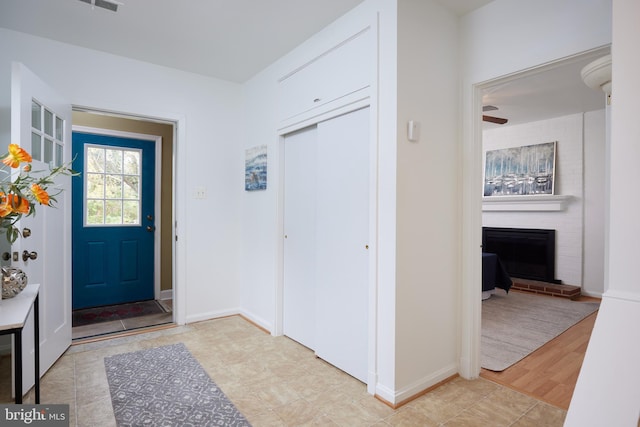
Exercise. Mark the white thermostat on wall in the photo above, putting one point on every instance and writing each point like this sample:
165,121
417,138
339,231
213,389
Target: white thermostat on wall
413,130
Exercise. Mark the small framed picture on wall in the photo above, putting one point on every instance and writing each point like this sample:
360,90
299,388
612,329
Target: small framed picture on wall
255,168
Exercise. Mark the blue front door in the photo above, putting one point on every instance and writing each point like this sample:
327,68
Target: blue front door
112,220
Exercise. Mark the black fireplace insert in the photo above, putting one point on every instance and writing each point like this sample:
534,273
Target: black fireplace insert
525,253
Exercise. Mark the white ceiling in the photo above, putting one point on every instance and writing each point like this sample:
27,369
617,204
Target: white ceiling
229,39
235,39
553,92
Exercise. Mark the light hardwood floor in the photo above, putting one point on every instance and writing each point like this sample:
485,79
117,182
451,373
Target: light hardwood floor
550,373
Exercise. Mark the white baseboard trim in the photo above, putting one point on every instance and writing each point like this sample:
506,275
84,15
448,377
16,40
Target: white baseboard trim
622,295
372,379
226,313
166,294
385,393
394,397
211,315
591,294
258,321
464,372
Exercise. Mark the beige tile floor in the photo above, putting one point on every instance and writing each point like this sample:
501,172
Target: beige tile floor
276,382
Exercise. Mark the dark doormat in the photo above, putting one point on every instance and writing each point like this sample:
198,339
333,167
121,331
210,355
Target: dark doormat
88,316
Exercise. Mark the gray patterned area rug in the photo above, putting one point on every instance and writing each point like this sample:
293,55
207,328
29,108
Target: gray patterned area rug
166,386
516,324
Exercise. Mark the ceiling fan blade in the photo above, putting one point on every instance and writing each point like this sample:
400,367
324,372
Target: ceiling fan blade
489,108
492,119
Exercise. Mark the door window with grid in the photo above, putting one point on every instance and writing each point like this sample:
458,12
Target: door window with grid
47,135
112,186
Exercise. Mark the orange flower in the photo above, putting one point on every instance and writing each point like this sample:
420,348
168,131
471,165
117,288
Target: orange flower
40,194
18,204
12,203
23,190
5,209
15,156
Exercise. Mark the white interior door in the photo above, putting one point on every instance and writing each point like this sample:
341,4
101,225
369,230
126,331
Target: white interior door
41,123
300,173
342,229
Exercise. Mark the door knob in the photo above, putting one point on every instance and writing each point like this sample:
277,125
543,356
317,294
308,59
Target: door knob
29,255
150,228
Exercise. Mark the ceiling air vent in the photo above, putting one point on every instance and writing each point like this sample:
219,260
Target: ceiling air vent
105,4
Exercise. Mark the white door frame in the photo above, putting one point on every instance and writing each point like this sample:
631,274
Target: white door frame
157,140
471,301
178,184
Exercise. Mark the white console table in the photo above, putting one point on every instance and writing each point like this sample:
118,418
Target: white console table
13,316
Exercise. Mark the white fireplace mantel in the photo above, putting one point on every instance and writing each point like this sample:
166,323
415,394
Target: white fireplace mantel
537,202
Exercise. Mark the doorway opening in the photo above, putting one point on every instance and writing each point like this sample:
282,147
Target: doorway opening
107,317
537,106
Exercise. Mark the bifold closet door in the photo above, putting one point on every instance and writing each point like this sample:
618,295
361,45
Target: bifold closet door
342,233
299,293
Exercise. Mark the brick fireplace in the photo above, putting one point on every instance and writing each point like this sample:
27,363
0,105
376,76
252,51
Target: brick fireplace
529,257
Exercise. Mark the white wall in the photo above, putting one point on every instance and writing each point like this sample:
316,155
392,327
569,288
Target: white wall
427,211
262,217
625,151
261,236
209,153
570,180
413,339
607,389
528,34
595,161
506,36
